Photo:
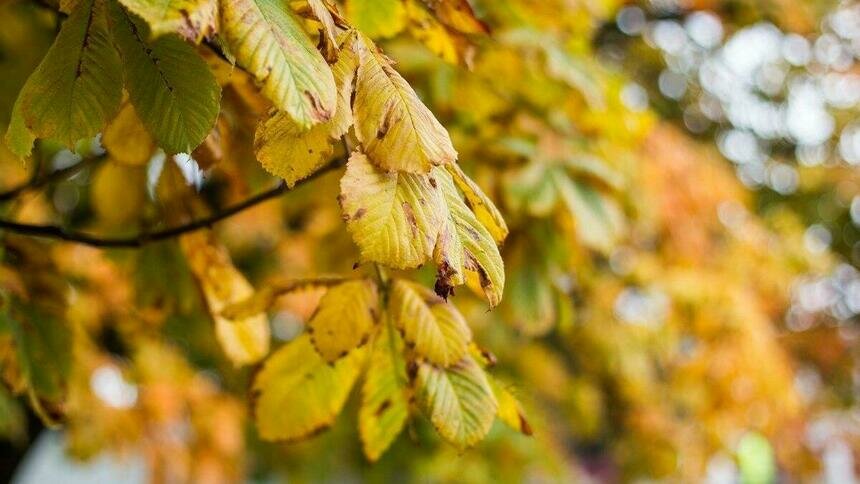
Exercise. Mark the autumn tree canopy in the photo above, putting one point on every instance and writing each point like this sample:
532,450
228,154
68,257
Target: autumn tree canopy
440,240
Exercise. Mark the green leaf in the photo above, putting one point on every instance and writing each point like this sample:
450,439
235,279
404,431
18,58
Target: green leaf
458,400
18,137
44,348
192,19
599,220
344,319
172,89
298,394
377,18
76,88
394,218
432,328
397,131
384,402
269,41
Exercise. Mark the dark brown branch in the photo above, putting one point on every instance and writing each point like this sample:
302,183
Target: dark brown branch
37,182
61,233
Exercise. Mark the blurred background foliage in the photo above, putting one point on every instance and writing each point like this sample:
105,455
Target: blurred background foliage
680,182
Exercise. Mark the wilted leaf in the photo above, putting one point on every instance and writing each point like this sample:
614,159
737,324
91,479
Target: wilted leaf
480,204
393,217
172,89
192,19
458,400
269,41
344,319
466,251
298,394
244,340
396,130
288,151
324,12
401,219
77,87
384,403
431,327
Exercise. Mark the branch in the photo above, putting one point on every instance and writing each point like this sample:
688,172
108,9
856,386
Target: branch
61,233
35,182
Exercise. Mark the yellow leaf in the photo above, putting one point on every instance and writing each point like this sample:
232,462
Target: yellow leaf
377,18
427,30
118,192
269,41
480,204
510,411
244,340
458,15
323,12
466,251
393,217
192,19
432,328
384,402
458,400
397,131
287,150
298,394
344,319
402,219
126,138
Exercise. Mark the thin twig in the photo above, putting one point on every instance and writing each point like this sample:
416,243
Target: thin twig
37,182
61,233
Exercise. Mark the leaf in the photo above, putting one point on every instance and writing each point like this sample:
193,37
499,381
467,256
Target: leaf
432,328
396,130
480,204
18,137
466,251
344,319
458,400
287,151
269,42
446,44
244,340
402,219
76,88
263,299
126,138
292,153
393,217
325,13
298,394
192,19
458,15
510,410
599,221
171,87
384,402
377,18
44,348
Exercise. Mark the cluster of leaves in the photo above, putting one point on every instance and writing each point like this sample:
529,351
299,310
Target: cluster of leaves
130,71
